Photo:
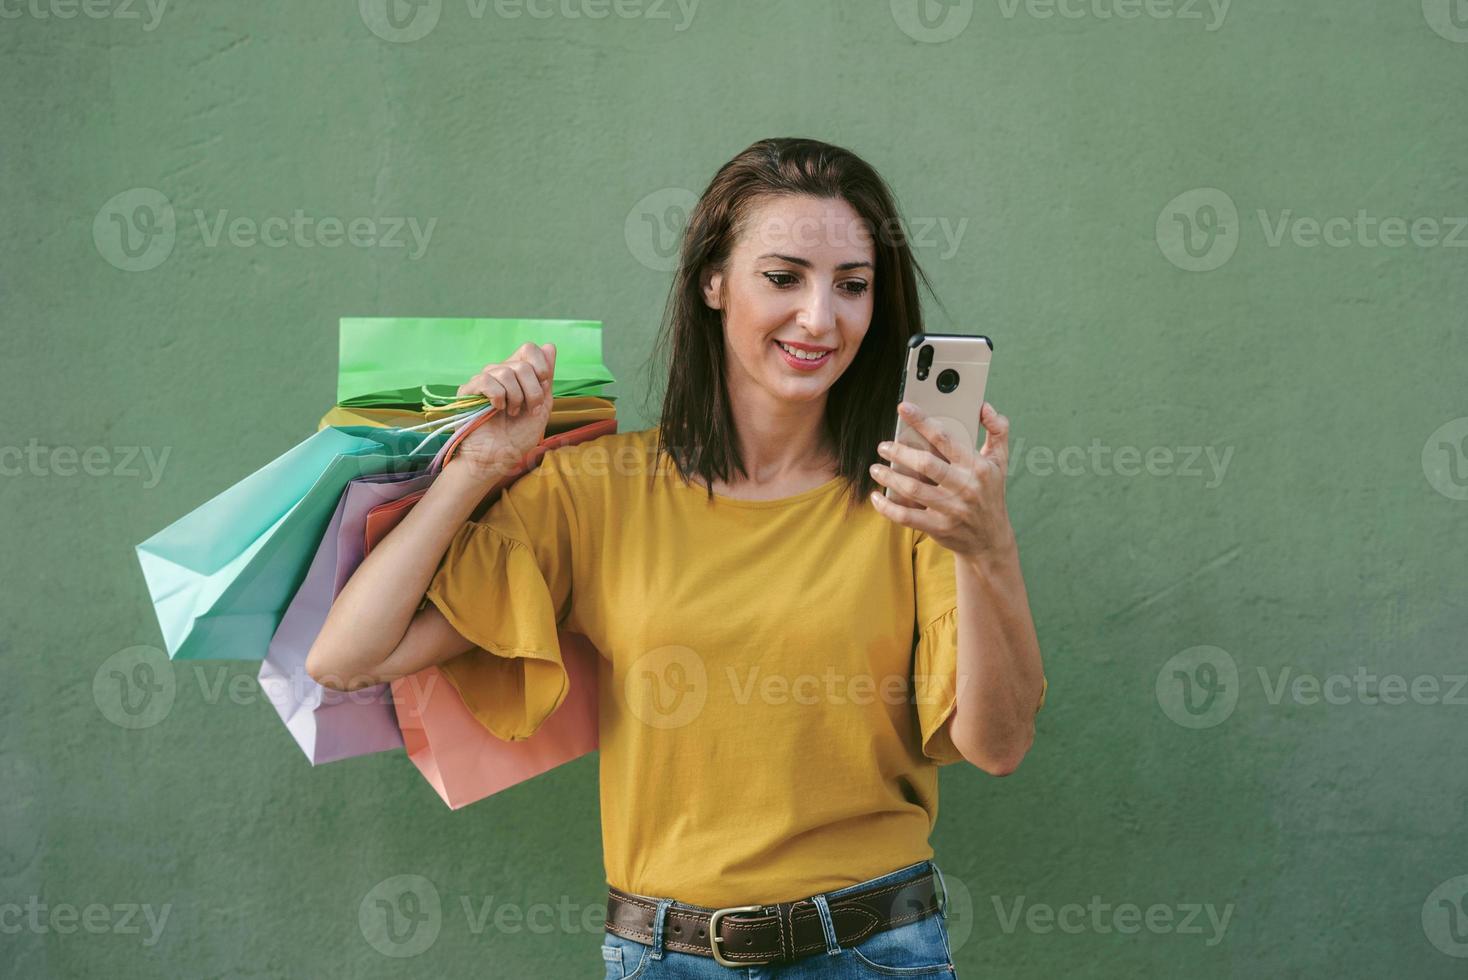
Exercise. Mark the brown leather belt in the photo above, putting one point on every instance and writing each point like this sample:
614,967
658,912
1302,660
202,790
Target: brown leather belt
752,934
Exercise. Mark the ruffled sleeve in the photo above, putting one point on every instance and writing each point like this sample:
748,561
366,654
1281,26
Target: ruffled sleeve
935,655
504,584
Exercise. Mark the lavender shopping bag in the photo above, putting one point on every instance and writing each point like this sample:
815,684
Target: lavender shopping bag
327,724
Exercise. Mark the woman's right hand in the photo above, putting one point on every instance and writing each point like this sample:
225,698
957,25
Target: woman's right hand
520,389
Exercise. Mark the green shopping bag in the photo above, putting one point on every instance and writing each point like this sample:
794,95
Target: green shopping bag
389,360
221,577
426,396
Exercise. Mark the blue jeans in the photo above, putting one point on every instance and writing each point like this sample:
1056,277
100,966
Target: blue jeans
913,949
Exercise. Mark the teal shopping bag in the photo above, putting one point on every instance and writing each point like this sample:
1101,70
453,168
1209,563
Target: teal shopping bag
221,577
387,360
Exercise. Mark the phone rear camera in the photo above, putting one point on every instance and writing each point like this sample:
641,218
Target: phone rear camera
925,359
947,380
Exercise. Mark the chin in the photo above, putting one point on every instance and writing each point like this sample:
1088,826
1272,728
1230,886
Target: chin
796,390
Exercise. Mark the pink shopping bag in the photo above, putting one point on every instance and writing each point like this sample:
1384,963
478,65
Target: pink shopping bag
463,761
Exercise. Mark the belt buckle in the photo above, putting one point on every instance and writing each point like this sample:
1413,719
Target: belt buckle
714,938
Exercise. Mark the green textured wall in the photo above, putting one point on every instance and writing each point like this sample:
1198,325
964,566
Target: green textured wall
1122,194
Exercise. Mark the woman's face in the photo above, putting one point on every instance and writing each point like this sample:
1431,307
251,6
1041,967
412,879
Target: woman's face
799,277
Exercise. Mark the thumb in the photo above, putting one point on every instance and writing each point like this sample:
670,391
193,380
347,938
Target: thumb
996,435
550,357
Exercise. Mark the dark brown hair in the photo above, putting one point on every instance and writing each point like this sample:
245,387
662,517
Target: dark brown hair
697,427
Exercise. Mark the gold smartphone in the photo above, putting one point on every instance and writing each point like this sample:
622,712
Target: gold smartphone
945,377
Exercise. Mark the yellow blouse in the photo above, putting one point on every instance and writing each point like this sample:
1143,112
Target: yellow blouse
774,677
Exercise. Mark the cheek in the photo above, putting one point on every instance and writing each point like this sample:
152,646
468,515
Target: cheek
767,308
747,332
856,318
755,320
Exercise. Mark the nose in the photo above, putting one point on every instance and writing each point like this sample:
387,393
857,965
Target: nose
817,314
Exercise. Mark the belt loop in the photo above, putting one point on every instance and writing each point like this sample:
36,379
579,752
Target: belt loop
943,887
828,926
658,918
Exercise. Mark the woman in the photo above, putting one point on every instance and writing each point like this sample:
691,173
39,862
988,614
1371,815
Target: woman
788,655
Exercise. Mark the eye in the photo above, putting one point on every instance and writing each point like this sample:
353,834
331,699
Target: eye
780,279
857,287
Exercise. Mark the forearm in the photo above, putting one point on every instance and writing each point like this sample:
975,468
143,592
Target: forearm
1000,674
369,617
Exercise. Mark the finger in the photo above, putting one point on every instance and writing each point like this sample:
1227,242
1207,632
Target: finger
912,517
470,387
919,461
550,360
897,498
996,436
530,384
514,397
938,436
534,355
487,386
913,491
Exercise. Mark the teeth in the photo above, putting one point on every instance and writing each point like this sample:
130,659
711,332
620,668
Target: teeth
803,355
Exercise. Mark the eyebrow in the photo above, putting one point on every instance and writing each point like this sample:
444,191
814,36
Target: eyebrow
804,263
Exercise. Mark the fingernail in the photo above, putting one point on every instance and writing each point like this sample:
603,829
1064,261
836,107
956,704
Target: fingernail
875,467
884,448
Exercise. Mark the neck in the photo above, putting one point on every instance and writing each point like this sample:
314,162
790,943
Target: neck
778,439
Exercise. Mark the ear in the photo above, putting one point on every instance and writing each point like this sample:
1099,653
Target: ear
712,284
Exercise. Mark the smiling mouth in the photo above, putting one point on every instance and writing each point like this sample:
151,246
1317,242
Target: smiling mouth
803,356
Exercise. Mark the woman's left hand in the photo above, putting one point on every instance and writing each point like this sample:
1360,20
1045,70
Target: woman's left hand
960,503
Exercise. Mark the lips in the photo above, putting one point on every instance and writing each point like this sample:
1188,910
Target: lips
809,348
800,363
